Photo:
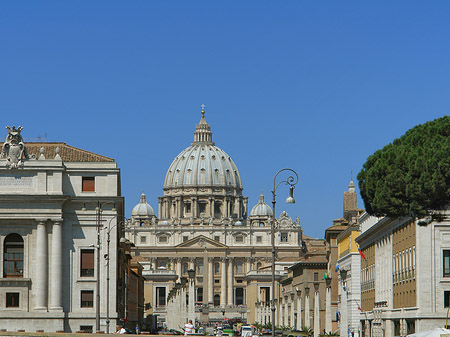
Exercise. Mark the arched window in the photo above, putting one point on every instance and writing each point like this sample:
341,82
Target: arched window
216,300
13,256
258,265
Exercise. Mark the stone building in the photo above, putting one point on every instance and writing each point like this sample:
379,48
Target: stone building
405,275
349,287
59,209
203,224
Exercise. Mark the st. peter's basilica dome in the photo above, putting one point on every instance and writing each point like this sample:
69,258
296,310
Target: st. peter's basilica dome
203,164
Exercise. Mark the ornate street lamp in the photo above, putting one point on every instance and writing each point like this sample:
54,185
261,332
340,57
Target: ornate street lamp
291,181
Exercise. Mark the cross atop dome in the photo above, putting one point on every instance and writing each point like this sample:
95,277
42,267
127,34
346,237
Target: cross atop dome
203,132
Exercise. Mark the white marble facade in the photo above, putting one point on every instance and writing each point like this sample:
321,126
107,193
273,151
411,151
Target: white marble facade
46,221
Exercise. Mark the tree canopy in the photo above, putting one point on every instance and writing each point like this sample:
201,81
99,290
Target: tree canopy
411,175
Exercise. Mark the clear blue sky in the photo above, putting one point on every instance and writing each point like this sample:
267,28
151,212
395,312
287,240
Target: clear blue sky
316,86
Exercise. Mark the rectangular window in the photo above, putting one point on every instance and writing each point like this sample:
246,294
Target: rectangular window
185,238
284,237
160,296
87,263
239,296
216,268
162,239
12,300
199,294
446,263
201,208
259,239
86,328
88,184
217,238
143,239
187,208
87,298
446,299
216,280
239,239
200,267
316,276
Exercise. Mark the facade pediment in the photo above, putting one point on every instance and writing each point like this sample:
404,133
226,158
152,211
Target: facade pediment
201,241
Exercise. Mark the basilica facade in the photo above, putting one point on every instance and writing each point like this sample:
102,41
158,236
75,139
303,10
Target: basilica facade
204,224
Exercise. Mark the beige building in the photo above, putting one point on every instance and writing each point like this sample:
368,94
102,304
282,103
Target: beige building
204,224
405,275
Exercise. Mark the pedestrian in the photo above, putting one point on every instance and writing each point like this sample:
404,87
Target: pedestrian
188,328
120,330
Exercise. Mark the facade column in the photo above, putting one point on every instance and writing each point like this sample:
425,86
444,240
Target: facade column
316,314
41,288
292,324
343,322
223,282
230,281
178,212
205,279
194,208
286,311
56,268
299,311
211,207
307,309
249,262
211,280
179,267
328,323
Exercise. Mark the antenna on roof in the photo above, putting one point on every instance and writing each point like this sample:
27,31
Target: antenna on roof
37,139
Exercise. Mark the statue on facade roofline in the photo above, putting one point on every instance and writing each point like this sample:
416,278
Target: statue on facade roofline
14,149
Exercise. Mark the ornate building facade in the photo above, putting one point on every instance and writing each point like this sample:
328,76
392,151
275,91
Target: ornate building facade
204,225
59,208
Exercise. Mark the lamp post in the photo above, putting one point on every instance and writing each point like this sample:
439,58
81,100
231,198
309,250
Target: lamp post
107,258
291,181
98,223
